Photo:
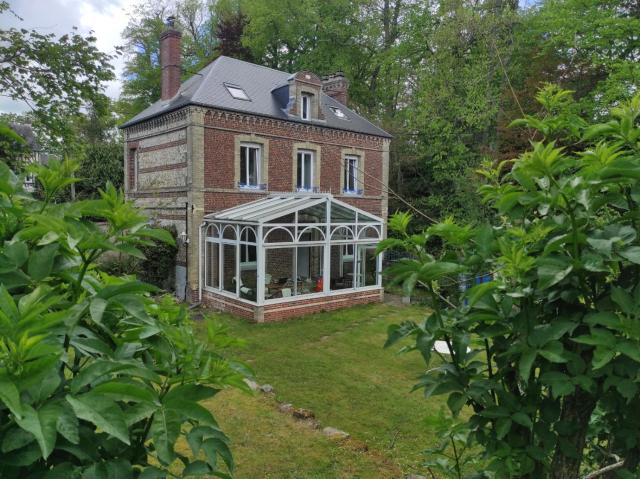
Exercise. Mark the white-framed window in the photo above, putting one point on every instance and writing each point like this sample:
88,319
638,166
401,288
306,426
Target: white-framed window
237,92
305,107
250,165
305,171
351,174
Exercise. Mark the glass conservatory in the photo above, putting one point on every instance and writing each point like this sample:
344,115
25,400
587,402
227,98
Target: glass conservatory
287,247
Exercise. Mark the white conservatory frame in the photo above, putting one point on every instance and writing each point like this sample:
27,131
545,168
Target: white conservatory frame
365,230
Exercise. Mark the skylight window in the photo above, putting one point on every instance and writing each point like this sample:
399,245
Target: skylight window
237,92
338,112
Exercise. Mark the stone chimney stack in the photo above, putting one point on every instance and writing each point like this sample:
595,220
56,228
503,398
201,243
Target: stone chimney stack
170,59
336,86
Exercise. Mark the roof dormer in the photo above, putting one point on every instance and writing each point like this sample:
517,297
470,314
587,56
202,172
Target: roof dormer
305,89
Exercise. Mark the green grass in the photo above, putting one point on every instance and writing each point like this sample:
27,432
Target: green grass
333,364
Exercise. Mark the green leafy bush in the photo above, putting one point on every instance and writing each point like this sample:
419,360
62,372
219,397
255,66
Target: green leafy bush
101,163
544,358
97,379
158,266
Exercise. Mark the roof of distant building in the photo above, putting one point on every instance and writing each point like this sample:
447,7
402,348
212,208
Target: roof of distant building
25,130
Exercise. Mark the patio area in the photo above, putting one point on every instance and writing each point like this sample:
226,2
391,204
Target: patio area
306,248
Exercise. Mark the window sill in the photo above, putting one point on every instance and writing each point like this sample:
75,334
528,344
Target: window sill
315,189
352,192
261,187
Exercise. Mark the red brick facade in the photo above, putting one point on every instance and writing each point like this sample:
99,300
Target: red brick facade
221,129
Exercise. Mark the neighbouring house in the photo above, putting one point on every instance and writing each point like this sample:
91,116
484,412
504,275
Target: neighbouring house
276,187
34,155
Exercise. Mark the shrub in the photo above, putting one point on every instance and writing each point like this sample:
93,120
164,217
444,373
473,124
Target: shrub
545,357
97,379
158,266
101,163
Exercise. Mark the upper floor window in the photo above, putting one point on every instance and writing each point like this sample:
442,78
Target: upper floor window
351,174
305,110
250,158
306,166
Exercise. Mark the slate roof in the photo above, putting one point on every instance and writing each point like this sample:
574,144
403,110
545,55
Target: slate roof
263,85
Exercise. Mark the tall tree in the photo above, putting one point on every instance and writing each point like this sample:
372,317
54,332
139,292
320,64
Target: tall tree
230,23
54,76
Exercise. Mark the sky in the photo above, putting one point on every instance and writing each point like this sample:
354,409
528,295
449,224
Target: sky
106,18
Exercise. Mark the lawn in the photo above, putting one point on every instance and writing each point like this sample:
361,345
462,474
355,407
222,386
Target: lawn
334,365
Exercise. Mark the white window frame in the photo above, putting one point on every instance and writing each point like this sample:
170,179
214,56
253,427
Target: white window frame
348,159
258,147
305,106
301,170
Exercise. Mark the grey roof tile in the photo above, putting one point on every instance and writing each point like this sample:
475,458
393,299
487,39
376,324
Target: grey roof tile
263,85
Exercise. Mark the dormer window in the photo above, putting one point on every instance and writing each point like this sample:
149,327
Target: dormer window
305,107
237,92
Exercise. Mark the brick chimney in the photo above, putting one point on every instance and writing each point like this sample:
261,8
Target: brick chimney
170,60
336,86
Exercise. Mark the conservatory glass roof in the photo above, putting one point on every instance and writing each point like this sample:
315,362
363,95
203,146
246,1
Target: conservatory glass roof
281,205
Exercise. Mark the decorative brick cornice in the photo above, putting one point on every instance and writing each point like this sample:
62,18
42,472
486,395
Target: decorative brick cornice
164,121
294,127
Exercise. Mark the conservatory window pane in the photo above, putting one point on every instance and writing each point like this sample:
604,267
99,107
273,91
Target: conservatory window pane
212,271
341,266
367,265
362,218
229,268
248,282
313,214
340,214
279,272
310,260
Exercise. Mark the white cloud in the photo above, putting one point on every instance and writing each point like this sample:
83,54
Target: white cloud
106,18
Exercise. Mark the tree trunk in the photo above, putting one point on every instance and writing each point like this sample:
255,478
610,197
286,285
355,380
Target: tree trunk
576,410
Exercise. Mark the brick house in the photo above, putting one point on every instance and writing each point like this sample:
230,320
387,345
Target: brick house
276,187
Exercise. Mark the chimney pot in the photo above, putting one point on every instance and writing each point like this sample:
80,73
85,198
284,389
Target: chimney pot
336,86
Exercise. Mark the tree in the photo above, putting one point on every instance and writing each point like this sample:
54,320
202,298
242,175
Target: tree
592,46
543,358
231,22
53,76
98,377
100,164
12,146
141,86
